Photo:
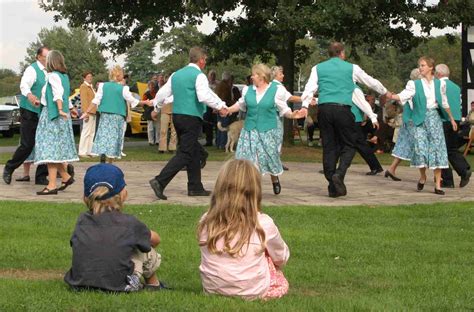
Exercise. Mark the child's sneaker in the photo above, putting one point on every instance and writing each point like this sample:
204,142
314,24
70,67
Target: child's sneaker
134,283
161,286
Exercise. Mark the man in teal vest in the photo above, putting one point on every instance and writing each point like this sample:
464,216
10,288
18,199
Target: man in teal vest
191,93
453,141
31,84
335,80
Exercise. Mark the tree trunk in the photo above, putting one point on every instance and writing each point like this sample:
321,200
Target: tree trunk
286,58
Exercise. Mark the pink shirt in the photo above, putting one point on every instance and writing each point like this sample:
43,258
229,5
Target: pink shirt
248,275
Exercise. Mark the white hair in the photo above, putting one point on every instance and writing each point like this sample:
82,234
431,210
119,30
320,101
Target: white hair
226,76
275,70
415,74
442,70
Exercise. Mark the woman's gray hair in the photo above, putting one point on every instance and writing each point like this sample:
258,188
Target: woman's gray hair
442,69
226,76
415,74
275,70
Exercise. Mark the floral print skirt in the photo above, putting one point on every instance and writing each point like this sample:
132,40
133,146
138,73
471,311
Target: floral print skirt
261,148
54,141
404,146
429,143
109,137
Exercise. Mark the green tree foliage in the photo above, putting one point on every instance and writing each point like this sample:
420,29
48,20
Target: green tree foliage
9,82
82,52
139,61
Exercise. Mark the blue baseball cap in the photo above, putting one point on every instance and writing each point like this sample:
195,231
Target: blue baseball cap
106,175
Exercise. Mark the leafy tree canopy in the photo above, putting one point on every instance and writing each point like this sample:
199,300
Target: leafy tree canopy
139,61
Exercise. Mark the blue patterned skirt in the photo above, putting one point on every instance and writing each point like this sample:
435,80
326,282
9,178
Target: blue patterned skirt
109,137
261,148
429,143
281,129
404,147
54,142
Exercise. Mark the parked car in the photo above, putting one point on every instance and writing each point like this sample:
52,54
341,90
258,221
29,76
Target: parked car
9,115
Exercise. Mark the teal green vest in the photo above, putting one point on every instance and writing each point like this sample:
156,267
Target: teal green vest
53,111
185,100
112,99
419,101
335,82
453,92
356,111
35,89
407,112
261,116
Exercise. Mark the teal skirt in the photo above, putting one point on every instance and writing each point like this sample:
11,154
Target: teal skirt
54,141
109,138
261,148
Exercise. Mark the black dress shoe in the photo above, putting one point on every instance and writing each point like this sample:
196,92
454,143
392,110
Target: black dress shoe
391,176
7,176
102,158
465,179
438,192
332,191
420,186
374,171
276,187
199,193
158,189
47,191
23,179
339,185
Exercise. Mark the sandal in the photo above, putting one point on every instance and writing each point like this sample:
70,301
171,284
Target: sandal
64,185
23,179
47,191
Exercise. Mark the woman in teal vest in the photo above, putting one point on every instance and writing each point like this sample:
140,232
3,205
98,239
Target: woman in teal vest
54,142
260,138
428,109
111,98
405,144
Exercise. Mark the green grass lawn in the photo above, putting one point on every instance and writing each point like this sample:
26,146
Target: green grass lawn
418,257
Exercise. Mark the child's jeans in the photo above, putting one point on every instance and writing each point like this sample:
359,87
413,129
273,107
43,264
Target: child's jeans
146,264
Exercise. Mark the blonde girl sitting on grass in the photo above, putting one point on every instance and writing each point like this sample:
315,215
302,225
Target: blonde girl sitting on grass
111,250
241,248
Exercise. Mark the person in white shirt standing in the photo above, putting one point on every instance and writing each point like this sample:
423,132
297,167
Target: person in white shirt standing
32,82
87,93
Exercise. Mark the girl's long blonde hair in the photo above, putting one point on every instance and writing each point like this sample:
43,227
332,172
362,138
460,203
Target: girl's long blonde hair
235,204
97,205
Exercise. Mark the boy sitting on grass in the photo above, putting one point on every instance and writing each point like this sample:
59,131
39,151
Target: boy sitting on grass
111,250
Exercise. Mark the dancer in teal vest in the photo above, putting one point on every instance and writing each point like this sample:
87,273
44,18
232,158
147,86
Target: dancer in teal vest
277,78
191,93
404,147
453,141
32,82
55,144
335,80
111,100
430,146
260,137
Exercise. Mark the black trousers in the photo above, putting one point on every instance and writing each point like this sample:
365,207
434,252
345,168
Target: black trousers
362,146
29,123
455,157
210,122
338,132
189,153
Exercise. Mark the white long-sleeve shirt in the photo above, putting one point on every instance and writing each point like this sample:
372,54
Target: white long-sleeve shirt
57,87
429,88
204,93
127,95
281,98
358,75
29,78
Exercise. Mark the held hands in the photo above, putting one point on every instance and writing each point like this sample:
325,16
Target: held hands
297,114
224,111
148,103
63,114
376,125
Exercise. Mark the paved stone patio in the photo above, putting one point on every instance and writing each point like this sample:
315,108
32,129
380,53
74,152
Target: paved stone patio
301,185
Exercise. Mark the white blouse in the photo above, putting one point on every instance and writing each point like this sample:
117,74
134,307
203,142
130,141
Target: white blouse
281,97
57,87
